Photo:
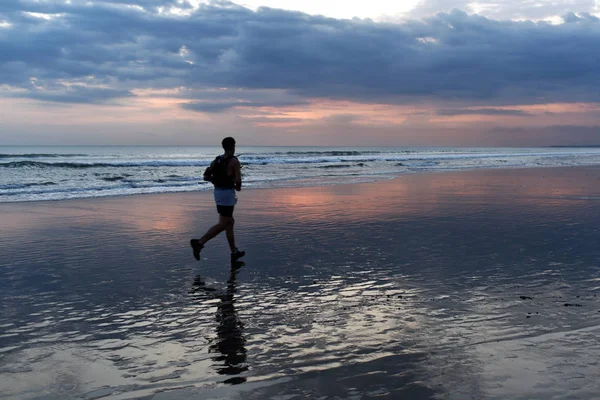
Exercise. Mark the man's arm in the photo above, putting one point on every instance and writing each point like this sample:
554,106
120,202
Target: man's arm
237,174
208,172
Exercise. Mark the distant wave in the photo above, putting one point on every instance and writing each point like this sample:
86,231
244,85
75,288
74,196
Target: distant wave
24,185
267,160
289,158
179,163
39,155
321,153
332,153
40,164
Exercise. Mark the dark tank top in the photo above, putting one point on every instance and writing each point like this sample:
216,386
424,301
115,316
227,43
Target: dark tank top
220,177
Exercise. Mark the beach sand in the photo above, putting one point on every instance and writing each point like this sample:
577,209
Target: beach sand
456,285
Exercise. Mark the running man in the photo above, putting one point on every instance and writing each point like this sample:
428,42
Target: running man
225,173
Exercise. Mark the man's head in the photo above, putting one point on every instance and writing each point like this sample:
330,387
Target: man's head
228,144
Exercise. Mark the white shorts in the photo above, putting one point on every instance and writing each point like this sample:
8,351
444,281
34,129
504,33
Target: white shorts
225,197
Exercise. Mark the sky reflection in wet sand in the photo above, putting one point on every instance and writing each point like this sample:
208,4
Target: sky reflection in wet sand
456,285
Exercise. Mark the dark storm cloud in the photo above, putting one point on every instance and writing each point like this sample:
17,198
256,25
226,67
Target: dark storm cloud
450,56
483,111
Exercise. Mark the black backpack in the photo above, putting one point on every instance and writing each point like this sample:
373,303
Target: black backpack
217,173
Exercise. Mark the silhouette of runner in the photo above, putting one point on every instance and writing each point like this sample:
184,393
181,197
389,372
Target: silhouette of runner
226,175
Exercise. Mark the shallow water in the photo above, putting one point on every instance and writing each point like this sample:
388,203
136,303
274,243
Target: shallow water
455,285
42,173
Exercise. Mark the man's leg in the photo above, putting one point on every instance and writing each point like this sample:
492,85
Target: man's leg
226,223
198,244
235,253
215,229
230,235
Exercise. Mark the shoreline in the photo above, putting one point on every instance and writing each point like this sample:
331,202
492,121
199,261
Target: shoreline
313,185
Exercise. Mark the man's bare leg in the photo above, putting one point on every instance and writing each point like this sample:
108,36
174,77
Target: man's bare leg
198,244
230,235
235,253
215,229
225,224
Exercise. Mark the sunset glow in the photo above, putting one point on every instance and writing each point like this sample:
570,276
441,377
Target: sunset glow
276,72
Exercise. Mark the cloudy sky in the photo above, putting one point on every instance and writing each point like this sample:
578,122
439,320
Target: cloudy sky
300,72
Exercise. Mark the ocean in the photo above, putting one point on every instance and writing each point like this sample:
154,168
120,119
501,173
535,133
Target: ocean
39,173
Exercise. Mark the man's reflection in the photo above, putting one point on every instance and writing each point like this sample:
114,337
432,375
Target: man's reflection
230,353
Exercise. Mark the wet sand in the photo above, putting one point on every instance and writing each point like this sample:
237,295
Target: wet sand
457,285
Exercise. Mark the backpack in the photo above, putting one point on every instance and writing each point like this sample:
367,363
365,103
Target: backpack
217,173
